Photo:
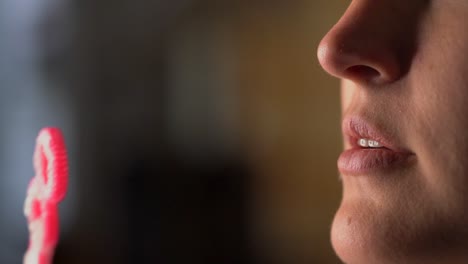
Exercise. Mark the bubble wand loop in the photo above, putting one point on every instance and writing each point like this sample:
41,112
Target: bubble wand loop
47,188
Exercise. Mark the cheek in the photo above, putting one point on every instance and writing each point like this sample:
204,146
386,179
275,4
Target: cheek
439,138
438,114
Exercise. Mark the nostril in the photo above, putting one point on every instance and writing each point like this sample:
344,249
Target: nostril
362,72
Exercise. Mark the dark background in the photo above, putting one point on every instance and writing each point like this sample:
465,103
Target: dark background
199,131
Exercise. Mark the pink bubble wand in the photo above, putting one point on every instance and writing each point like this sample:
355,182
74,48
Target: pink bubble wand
46,189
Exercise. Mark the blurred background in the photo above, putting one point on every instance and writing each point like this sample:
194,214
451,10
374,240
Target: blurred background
199,131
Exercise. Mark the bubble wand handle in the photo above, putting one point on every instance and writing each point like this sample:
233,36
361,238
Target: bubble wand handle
46,189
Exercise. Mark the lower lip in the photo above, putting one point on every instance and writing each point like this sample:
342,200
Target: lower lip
362,161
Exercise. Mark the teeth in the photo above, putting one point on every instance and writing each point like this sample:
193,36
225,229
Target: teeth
373,144
368,143
363,143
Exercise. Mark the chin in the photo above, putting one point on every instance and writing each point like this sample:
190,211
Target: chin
360,235
366,233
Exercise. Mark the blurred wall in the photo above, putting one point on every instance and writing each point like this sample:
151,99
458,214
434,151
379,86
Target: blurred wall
287,115
198,131
291,120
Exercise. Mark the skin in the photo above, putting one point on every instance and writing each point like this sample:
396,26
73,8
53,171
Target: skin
404,67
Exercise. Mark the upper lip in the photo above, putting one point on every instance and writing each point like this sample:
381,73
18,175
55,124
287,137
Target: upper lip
355,128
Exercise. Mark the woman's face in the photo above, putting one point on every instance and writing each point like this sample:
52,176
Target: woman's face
404,71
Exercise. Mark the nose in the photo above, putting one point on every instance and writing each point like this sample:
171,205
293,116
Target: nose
372,43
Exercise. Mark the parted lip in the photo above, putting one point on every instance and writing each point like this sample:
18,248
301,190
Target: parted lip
357,160
355,128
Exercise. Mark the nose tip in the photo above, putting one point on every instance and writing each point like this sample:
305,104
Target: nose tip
362,61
